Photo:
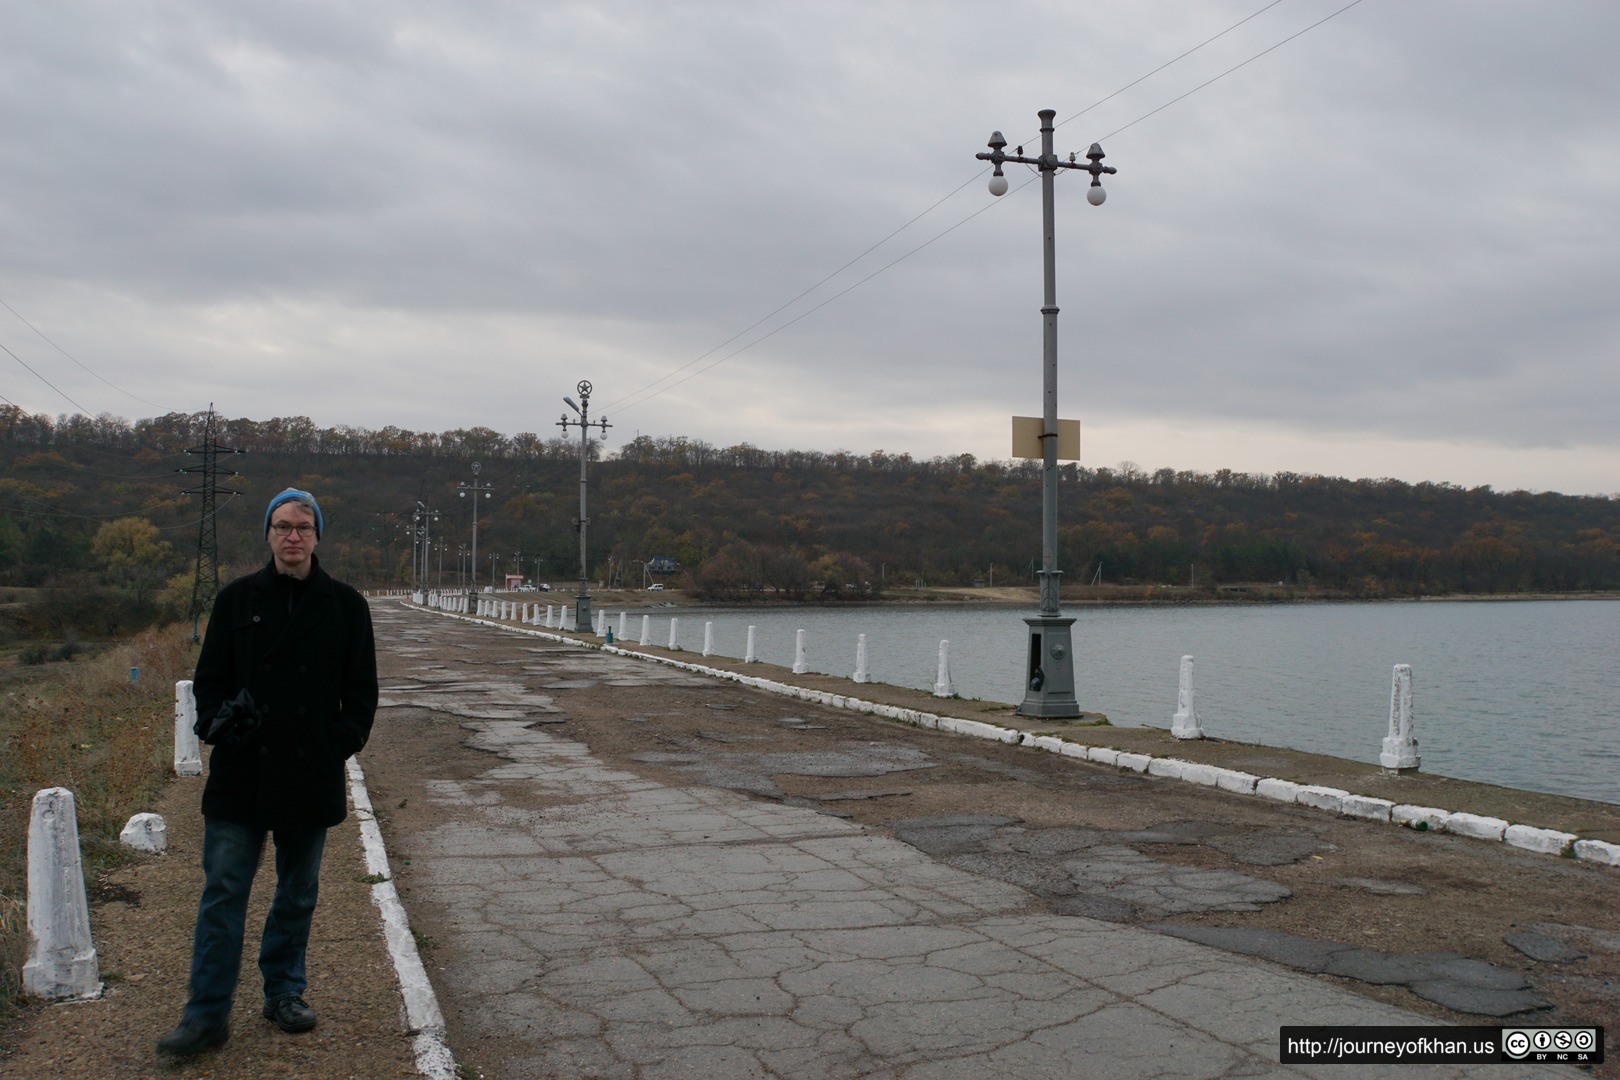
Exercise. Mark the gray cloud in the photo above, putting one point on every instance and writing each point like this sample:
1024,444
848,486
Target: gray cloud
1390,239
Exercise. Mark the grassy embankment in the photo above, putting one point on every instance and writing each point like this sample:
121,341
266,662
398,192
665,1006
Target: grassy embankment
83,725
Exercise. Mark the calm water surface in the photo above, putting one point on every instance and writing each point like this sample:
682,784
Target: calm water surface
1513,693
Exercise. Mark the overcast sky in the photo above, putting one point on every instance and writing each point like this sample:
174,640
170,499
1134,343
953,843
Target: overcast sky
1388,247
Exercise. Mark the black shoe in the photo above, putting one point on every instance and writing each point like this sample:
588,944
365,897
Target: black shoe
193,1037
290,1014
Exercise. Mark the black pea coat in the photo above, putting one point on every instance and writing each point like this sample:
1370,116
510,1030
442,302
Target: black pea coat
314,673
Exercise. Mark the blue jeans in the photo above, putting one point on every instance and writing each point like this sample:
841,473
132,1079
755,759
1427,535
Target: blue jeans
230,860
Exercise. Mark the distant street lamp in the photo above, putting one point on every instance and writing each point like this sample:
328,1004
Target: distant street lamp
582,602
1049,677
422,520
474,488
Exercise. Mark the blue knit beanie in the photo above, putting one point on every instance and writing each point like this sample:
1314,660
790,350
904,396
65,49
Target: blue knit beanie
290,495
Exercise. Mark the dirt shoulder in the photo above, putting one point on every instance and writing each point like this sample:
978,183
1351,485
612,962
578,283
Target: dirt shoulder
141,919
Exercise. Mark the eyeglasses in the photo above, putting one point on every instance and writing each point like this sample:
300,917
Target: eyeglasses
282,528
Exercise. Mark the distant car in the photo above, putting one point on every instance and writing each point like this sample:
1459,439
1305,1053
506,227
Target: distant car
657,586
543,587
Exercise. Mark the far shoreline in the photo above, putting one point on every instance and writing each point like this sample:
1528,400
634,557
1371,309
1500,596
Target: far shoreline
1028,597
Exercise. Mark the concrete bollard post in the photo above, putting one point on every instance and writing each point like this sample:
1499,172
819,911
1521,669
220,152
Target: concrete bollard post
602,628
624,617
145,832
674,627
751,656
799,664
1184,725
187,750
860,659
708,639
942,685
548,616
61,957
646,630
567,618
1400,745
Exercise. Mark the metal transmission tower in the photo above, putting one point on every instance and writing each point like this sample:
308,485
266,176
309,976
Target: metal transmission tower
205,585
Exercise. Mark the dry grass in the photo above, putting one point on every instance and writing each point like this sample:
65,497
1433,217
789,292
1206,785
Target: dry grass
88,728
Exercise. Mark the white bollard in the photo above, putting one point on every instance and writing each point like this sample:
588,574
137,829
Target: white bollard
61,957
799,665
751,655
1184,725
623,618
601,623
145,832
548,616
1400,745
860,659
567,618
942,684
708,639
646,630
674,626
187,750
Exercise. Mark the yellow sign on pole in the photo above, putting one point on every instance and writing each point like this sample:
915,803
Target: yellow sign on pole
1026,438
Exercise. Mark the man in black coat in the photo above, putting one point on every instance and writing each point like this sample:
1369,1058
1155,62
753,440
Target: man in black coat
286,689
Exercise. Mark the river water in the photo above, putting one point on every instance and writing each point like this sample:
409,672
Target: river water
1516,693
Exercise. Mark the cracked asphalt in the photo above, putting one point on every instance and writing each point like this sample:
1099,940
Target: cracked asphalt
619,869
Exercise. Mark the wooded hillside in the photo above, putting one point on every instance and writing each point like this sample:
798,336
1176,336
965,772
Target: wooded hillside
743,520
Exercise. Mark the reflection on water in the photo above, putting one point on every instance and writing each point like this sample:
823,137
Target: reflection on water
1510,693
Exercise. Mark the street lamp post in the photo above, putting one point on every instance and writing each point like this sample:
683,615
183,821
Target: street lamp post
582,602
422,520
1049,677
464,489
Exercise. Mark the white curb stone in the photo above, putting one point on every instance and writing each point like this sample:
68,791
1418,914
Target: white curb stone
1365,806
1427,818
1280,790
1480,828
1598,851
1545,841
1166,767
1205,775
1133,762
1103,755
1323,798
1232,780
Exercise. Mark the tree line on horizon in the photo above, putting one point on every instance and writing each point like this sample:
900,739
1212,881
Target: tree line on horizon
102,501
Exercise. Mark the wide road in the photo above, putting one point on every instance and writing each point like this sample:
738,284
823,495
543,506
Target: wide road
617,869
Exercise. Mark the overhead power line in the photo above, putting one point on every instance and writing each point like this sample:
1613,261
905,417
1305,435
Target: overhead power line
76,360
662,384
46,381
